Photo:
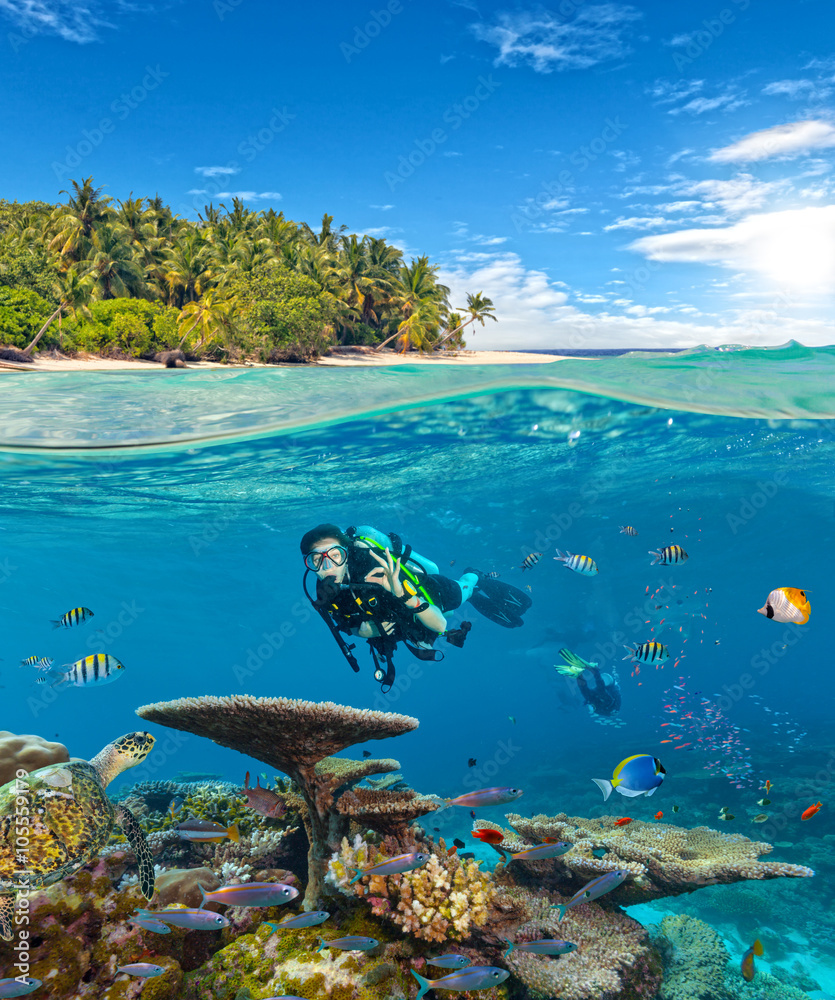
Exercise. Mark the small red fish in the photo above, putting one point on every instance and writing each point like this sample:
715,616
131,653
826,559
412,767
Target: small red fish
659,814
452,850
767,786
550,840
810,812
623,821
488,836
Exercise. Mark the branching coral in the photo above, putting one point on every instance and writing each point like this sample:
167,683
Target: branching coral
663,860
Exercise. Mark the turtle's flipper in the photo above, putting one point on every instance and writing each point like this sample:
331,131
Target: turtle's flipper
6,915
133,831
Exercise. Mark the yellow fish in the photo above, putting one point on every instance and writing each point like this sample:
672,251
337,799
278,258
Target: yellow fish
787,604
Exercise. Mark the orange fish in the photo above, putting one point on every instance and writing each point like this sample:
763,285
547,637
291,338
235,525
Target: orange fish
748,960
452,850
488,836
550,840
623,821
659,814
767,786
810,812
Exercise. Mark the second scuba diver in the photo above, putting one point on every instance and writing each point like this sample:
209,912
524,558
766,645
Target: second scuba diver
371,585
601,692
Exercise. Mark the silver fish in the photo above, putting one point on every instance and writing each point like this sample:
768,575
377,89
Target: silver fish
669,555
98,668
13,988
192,920
477,977
546,947
145,970
392,866
353,942
300,920
486,797
593,890
450,961
584,565
542,852
250,894
155,926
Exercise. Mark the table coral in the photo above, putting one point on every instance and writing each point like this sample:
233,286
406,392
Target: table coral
663,860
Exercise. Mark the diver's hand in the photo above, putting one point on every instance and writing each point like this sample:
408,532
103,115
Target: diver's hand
390,575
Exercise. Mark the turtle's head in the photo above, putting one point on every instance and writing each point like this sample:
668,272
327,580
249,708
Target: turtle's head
121,754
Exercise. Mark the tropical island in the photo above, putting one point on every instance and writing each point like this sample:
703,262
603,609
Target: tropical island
131,280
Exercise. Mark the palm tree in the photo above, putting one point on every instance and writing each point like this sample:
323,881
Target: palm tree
186,268
479,307
209,314
74,222
418,291
113,265
74,291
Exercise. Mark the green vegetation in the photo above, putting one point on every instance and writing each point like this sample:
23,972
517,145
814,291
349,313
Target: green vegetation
131,279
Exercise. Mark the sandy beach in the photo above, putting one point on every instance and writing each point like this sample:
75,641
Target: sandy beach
339,357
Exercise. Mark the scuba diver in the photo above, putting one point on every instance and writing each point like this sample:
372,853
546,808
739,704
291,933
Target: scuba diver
601,692
371,585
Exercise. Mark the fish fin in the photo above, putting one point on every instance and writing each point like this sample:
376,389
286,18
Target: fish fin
202,896
274,927
322,944
651,791
657,558
60,680
630,793
358,876
246,780
55,624
605,786
758,947
424,984
233,834
562,910
510,947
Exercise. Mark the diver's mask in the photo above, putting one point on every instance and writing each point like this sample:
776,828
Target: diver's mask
335,555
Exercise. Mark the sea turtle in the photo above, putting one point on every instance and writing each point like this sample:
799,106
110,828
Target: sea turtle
55,820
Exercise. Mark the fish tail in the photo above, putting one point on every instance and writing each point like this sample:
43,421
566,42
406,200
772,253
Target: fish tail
203,896
274,927
423,983
322,944
510,947
233,834
358,876
605,786
657,558
562,910
758,948
55,624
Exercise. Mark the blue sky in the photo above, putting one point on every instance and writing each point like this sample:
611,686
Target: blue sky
647,174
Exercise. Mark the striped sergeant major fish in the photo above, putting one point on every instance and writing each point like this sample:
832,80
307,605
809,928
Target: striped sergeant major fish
98,668
648,652
40,662
584,565
530,560
74,617
627,529
669,555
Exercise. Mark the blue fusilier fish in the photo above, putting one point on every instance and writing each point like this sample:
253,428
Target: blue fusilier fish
250,894
16,988
486,797
300,920
477,977
155,926
541,852
637,775
145,970
546,947
192,920
351,943
594,890
450,961
394,866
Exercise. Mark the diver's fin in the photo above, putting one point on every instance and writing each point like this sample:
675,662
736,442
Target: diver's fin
498,601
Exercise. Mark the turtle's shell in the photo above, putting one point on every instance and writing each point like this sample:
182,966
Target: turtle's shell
69,817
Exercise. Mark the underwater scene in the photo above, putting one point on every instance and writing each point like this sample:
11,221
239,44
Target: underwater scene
498,682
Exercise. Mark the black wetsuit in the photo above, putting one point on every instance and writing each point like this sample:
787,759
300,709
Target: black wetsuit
604,699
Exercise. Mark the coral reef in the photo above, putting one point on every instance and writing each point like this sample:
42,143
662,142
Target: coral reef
293,737
663,860
386,812
182,885
445,900
694,959
27,753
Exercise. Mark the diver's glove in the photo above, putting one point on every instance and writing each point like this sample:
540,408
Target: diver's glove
574,664
457,635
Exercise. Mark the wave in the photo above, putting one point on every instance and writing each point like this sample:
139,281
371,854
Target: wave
82,411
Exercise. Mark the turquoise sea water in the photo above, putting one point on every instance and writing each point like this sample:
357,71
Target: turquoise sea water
172,504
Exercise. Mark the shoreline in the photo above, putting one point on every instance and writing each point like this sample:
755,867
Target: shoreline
339,358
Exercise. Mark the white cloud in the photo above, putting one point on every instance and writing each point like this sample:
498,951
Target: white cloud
788,141
794,249
217,171
446,59
742,193
489,241
639,222
669,91
729,101
72,20
243,195
544,41
382,208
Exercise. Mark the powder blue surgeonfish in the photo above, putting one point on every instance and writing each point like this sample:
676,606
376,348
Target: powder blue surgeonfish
638,775
593,890
477,977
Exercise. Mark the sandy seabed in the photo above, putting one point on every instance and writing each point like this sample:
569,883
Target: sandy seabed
338,358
